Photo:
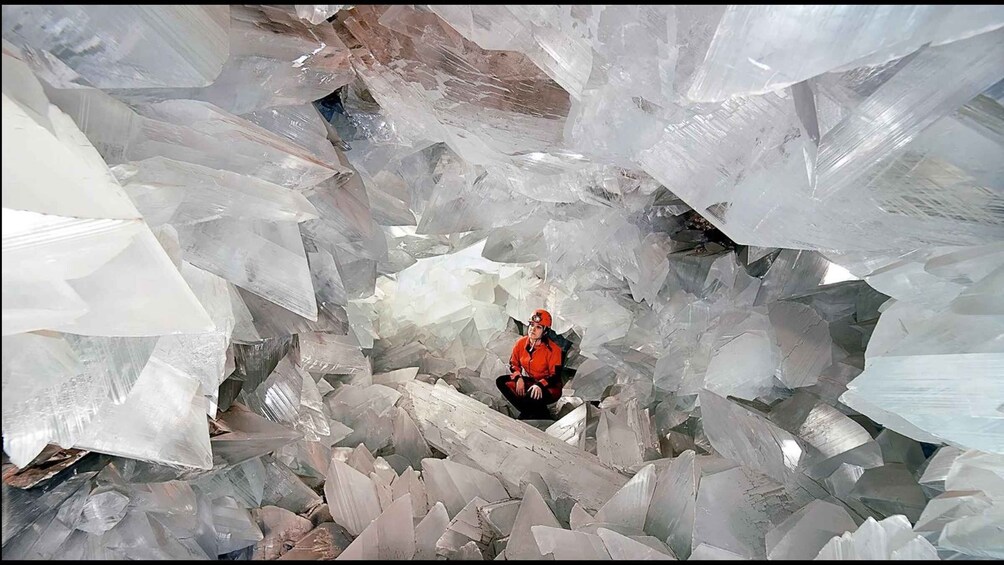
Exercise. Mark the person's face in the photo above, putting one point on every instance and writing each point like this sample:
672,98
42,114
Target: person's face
536,330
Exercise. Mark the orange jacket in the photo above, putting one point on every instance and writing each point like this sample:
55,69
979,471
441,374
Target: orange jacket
541,364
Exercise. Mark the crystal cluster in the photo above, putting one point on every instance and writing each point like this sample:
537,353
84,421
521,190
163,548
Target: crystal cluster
262,266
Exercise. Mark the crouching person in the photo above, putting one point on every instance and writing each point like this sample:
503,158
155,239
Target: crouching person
534,381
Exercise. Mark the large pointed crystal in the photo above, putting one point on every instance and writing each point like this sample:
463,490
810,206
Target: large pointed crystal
456,485
429,530
351,497
893,392
737,509
623,547
533,511
744,60
672,508
805,532
567,545
391,536
454,423
890,538
630,505
98,42
276,271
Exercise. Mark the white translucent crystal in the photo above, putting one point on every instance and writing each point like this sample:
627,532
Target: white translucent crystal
455,485
408,482
71,385
629,506
975,535
501,516
623,547
205,355
408,441
805,532
429,530
35,305
113,259
190,131
894,391
616,443
96,41
233,526
383,468
705,552
533,511
312,420
368,410
283,488
244,482
897,448
43,127
737,509
384,491
302,125
331,354
465,529
397,377
103,511
163,419
114,296
454,423
361,460
743,59
974,470
762,444
276,271
805,343
326,541
946,508
316,13
672,508
890,538
303,63
390,536
351,497
853,147
559,50
936,469
568,545
795,269
176,192
278,397
591,379
571,427
831,438
251,435
280,528
888,490
885,193
748,358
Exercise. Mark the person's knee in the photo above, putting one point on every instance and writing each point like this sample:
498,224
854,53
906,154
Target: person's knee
551,399
501,382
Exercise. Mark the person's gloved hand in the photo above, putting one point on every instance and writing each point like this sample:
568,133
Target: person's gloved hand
535,392
520,391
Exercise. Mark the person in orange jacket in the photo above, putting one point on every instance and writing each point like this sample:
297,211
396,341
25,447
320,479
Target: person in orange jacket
534,381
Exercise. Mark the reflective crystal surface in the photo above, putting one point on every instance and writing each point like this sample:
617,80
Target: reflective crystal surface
264,268
134,47
890,538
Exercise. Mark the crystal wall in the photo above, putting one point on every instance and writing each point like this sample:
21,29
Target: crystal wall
262,264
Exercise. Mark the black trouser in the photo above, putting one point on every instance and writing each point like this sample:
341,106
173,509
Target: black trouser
529,408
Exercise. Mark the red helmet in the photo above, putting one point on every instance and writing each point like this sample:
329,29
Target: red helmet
542,317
